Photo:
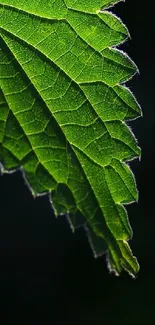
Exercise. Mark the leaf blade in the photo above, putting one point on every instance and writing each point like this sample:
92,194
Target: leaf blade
72,136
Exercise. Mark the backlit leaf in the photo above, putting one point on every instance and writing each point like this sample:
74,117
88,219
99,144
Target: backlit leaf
63,108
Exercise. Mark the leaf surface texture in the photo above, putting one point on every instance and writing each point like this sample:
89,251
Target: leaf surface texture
63,108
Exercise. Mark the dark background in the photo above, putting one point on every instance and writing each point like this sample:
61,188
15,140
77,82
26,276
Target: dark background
47,274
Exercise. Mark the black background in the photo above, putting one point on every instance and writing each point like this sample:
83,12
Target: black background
47,274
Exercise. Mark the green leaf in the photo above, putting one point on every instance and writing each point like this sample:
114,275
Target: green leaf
63,107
